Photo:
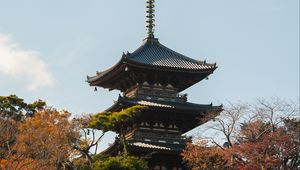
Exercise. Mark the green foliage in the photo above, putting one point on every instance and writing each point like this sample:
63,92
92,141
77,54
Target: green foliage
81,164
14,107
113,121
121,162
116,121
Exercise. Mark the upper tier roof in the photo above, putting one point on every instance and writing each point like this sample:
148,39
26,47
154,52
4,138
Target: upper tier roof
153,53
152,58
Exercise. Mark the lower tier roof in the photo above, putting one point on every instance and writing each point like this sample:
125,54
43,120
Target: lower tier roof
143,146
184,115
156,146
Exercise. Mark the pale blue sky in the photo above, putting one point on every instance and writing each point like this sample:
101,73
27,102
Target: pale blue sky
54,44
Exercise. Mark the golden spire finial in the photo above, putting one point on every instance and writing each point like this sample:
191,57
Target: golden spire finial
150,18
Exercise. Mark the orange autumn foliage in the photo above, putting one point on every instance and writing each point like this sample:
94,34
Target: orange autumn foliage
43,142
271,152
201,156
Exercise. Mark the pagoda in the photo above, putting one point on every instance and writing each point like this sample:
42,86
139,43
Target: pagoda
153,76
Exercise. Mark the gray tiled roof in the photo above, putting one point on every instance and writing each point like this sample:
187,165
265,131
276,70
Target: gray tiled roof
157,146
152,55
155,54
166,104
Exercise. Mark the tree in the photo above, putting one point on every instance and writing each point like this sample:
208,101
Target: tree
116,121
13,110
270,152
201,156
34,136
120,162
8,131
13,107
265,140
228,123
264,135
253,131
89,137
43,142
275,111
292,127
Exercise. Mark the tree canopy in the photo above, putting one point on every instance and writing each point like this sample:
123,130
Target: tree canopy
34,136
43,141
115,121
264,135
120,162
14,107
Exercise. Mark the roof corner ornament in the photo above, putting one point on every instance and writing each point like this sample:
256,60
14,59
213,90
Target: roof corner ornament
123,55
150,18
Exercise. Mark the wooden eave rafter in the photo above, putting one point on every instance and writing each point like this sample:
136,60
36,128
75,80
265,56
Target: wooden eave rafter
105,77
121,65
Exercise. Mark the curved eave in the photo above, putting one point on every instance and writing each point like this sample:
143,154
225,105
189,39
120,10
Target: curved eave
142,146
104,75
110,74
171,69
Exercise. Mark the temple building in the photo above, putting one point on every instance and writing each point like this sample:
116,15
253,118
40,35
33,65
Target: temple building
154,76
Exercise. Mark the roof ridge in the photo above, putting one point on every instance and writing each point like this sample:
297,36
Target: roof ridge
146,42
182,55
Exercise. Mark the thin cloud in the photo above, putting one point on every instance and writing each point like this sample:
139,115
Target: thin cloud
23,64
